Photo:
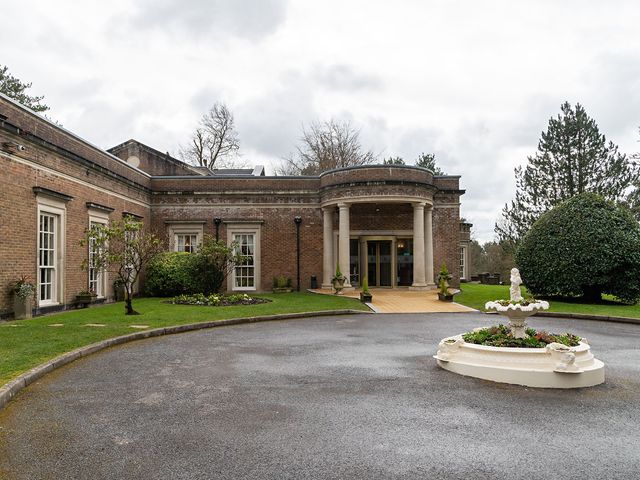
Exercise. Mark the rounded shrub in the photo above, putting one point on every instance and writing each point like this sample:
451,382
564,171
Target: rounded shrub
584,247
171,274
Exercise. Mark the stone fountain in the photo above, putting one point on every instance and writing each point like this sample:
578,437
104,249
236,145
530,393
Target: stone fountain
517,310
555,366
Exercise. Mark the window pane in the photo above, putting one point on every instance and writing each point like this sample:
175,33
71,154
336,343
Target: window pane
244,273
46,255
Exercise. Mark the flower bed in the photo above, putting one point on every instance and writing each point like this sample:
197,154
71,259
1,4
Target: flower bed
217,300
500,336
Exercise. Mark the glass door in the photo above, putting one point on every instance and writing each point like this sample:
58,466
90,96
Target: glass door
379,263
404,248
384,263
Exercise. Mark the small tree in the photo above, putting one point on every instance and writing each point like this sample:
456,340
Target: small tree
393,161
428,161
584,247
443,279
214,262
123,247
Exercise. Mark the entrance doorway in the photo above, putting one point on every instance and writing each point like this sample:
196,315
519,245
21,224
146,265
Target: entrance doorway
379,263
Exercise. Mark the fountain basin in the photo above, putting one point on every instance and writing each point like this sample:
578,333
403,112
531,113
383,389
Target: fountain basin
517,314
555,366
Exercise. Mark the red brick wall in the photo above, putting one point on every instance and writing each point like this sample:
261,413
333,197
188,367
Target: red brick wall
151,161
446,246
18,214
278,236
56,160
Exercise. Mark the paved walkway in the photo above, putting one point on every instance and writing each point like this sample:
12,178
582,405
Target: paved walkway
350,397
403,300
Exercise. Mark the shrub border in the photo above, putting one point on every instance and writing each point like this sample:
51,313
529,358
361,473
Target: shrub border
10,389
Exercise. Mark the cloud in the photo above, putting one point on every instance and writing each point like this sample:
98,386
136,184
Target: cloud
476,86
248,19
271,125
345,77
614,80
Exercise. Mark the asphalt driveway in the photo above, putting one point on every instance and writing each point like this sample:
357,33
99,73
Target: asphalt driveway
334,397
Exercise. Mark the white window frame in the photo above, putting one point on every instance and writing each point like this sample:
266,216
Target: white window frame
98,218
57,209
246,229
463,262
194,243
176,229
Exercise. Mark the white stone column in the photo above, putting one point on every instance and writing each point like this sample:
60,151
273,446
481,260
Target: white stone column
419,281
328,267
428,245
343,242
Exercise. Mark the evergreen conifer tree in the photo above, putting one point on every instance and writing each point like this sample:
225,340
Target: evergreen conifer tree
573,157
15,89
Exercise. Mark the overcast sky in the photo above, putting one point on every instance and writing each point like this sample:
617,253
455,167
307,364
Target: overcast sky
474,82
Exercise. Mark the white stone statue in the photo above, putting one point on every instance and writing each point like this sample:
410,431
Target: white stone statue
516,281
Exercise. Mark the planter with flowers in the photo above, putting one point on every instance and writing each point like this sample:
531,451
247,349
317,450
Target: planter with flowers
23,293
86,297
338,281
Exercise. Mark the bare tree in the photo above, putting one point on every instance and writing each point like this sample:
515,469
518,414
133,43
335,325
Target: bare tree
215,142
325,146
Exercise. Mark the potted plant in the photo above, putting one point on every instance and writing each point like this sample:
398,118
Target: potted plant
86,297
338,280
282,284
365,295
444,295
23,291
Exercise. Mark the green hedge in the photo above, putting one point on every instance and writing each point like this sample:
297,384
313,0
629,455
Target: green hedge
173,273
584,247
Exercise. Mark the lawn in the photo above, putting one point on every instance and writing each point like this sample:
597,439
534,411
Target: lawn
25,344
475,296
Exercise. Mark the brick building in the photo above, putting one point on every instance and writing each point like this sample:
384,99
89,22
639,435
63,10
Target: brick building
394,224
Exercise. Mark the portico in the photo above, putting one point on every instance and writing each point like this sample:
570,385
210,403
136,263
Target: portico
389,255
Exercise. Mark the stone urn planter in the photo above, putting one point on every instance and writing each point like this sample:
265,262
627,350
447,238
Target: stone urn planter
338,284
23,293
84,299
22,307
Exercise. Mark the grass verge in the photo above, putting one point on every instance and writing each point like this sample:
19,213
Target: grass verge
25,344
475,296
